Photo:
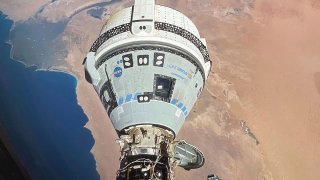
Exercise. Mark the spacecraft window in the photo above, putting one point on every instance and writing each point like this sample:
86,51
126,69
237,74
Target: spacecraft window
163,87
127,61
158,59
144,97
143,60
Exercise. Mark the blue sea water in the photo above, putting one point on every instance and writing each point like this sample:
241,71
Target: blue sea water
41,118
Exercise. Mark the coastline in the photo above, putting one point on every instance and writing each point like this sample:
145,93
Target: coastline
14,134
90,126
247,86
105,149
58,69
7,152
14,152
103,131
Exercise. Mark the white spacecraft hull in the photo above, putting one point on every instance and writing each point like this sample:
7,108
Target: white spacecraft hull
149,66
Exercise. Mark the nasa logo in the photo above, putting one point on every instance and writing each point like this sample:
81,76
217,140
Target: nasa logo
117,72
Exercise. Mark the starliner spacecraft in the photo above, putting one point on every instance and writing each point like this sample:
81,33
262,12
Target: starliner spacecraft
148,67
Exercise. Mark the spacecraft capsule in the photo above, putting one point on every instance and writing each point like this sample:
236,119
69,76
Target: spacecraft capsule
148,67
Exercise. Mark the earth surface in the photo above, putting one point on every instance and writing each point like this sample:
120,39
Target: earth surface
259,114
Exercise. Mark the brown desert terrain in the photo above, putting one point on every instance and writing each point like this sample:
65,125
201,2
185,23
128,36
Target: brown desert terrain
19,10
266,74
